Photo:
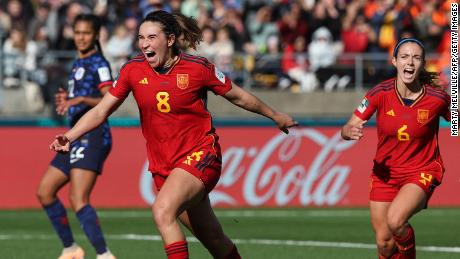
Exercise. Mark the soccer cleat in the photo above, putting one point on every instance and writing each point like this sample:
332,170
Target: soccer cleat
72,252
106,255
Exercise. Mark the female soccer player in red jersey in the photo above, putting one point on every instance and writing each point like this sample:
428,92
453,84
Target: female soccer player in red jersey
184,154
89,80
407,164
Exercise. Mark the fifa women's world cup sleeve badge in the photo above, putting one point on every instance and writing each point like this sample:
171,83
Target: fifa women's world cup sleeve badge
363,106
182,81
423,115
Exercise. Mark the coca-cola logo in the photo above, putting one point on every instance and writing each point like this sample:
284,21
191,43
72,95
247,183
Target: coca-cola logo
281,172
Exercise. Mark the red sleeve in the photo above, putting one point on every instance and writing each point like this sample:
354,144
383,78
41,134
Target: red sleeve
104,84
216,80
368,105
445,111
121,87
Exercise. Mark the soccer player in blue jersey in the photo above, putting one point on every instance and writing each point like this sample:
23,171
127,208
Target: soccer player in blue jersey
89,80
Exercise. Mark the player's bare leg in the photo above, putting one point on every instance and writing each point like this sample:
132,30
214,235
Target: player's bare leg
81,185
180,191
202,222
383,236
53,180
410,200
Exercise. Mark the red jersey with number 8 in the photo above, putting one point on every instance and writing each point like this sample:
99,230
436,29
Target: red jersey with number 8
172,105
407,133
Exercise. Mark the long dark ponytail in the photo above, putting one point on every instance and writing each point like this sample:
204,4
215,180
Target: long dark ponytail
430,78
190,30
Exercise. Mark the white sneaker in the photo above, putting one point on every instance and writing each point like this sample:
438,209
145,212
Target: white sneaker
343,82
330,83
72,252
106,255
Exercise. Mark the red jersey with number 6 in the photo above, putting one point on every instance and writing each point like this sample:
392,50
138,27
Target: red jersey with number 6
172,105
407,133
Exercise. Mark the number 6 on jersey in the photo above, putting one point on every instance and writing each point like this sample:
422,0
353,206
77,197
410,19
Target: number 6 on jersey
403,136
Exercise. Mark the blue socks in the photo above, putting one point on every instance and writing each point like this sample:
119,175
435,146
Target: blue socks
58,217
90,224
88,221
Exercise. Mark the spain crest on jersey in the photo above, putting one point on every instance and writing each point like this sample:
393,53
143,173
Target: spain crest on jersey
182,81
423,115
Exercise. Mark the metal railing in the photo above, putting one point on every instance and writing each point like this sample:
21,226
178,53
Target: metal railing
364,69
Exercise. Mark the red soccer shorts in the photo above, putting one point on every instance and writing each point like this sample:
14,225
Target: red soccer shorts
385,190
204,162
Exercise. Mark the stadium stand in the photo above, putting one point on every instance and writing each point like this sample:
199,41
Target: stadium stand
290,49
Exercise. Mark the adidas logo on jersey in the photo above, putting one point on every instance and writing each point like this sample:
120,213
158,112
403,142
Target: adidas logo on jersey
144,81
391,113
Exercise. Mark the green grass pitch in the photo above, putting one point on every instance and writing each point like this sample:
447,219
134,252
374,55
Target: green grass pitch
259,233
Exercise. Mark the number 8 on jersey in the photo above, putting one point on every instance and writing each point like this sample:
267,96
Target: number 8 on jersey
163,105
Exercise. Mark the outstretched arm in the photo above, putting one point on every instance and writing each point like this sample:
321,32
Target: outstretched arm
353,130
93,118
248,101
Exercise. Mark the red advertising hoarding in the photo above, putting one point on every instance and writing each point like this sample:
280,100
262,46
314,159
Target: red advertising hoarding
310,167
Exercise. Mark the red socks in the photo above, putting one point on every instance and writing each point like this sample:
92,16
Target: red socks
406,245
395,255
177,250
233,254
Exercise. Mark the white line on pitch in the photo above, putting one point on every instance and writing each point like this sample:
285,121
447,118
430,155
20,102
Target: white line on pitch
243,213
250,213
305,243
268,213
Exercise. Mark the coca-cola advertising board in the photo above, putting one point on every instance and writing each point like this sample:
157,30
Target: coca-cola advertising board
262,167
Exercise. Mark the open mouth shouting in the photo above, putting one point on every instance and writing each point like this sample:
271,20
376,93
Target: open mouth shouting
149,53
409,73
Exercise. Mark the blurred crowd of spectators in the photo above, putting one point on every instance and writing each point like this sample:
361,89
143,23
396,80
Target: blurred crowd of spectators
286,44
